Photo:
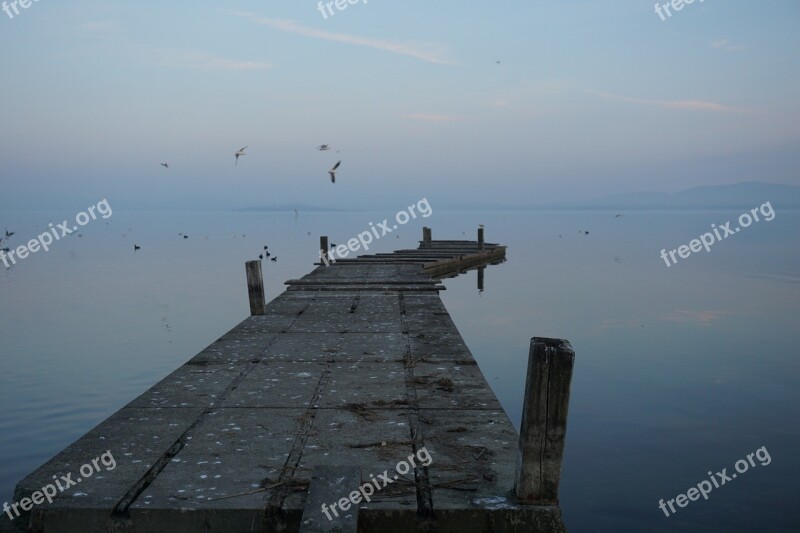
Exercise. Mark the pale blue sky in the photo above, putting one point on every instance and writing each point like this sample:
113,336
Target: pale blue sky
591,98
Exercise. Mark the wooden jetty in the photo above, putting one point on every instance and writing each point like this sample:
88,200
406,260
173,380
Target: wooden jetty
356,368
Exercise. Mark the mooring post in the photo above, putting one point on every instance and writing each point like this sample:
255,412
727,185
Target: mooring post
480,278
544,421
426,235
255,287
480,237
323,249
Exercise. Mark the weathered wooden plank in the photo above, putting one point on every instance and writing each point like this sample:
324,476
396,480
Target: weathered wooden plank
255,287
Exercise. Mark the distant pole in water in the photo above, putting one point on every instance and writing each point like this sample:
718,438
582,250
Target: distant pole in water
255,288
544,421
480,278
480,237
323,249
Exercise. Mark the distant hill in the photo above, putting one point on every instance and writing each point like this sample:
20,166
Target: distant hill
747,194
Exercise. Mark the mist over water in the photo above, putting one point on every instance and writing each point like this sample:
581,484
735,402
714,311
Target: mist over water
678,370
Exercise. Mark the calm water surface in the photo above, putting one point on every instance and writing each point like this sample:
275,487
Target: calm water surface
678,370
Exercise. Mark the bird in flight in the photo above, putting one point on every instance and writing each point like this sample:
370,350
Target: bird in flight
332,171
164,165
136,247
237,154
323,147
8,234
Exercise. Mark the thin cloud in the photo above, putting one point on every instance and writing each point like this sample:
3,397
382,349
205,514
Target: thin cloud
692,105
430,52
725,44
205,61
425,117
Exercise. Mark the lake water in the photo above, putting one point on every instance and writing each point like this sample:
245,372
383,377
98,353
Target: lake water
678,371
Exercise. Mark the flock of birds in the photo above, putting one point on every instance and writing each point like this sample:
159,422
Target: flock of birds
322,148
242,152
266,252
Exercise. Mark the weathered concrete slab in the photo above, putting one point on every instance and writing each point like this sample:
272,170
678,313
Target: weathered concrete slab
364,384
325,481
190,386
233,352
229,461
296,347
372,347
136,438
277,384
447,385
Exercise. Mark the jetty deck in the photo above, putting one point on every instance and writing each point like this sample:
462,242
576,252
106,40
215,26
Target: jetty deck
351,370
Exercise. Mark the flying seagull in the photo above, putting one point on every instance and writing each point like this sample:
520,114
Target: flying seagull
332,171
323,147
237,154
136,247
164,165
274,259
9,234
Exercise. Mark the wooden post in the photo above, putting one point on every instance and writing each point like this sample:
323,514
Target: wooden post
426,235
323,249
544,421
480,238
480,278
255,287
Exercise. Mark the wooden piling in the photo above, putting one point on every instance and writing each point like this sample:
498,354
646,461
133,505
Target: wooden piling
323,249
544,421
480,278
480,238
255,288
426,235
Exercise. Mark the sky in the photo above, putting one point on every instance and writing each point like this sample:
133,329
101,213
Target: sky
589,99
